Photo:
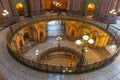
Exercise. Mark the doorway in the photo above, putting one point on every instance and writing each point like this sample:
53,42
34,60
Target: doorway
54,29
20,9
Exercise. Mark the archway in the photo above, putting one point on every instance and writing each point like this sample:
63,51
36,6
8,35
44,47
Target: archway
20,9
72,33
55,28
29,35
90,9
20,41
41,35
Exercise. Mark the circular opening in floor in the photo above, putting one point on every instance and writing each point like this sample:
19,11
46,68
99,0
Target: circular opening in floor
32,45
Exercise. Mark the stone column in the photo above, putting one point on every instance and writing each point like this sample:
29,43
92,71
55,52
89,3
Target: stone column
35,7
76,6
118,8
12,7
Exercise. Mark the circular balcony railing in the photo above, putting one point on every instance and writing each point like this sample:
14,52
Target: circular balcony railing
61,69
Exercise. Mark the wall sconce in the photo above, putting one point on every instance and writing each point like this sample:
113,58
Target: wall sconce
36,52
67,70
113,13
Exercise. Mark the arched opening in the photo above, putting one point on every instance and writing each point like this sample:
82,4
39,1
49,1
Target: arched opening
20,41
90,9
72,33
26,36
41,34
20,9
55,28
29,35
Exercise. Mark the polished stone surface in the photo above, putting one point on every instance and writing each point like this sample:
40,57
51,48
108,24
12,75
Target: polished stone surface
90,56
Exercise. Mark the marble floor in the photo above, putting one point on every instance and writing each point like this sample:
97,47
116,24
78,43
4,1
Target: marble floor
13,70
90,56
62,61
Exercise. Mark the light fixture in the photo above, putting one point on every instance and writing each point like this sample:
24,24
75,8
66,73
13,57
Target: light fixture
86,50
58,39
63,71
66,70
56,3
5,12
113,47
90,41
85,37
84,47
78,42
70,71
37,51
113,10
112,13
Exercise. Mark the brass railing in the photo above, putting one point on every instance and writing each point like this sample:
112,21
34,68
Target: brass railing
61,69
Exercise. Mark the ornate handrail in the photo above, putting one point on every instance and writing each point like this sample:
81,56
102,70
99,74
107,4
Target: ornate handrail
67,49
54,68
43,17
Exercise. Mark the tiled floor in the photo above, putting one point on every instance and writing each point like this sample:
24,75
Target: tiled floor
90,56
13,70
61,62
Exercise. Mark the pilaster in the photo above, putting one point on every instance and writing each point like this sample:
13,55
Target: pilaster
106,11
76,6
35,7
